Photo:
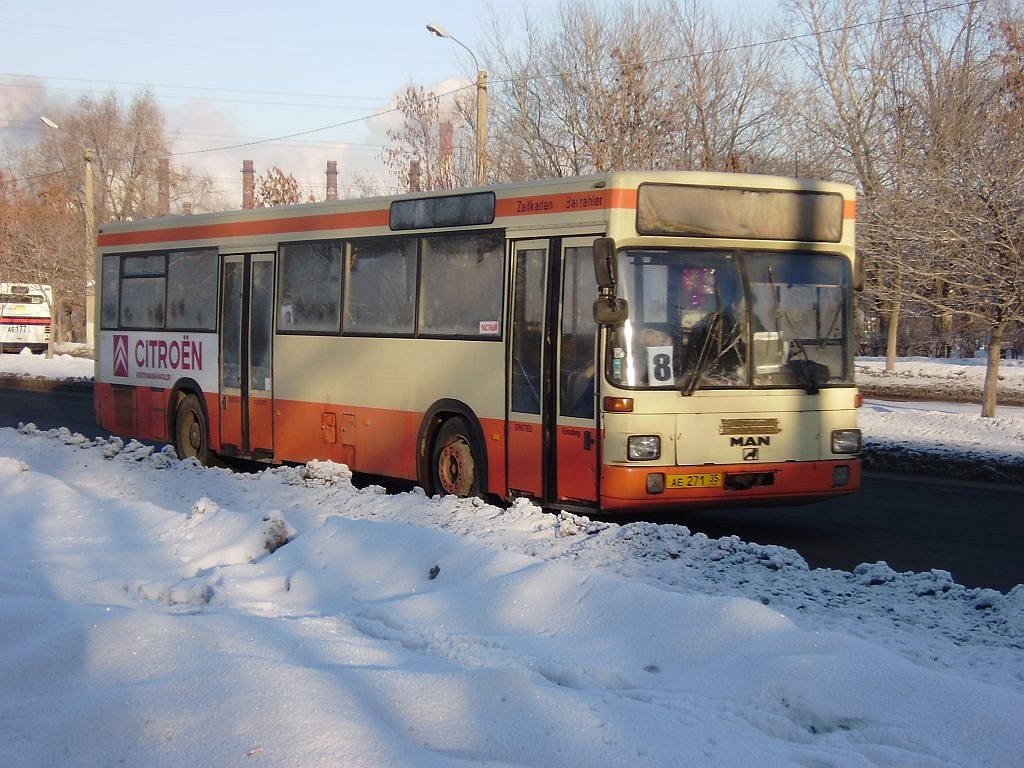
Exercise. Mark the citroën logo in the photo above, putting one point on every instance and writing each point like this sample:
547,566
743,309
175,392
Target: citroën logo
121,356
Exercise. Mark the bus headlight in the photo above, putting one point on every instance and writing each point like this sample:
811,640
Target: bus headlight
643,447
846,441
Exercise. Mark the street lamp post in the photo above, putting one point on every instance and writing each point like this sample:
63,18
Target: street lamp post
90,227
481,104
90,222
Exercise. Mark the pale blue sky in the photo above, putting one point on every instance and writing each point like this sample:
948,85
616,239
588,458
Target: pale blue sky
229,72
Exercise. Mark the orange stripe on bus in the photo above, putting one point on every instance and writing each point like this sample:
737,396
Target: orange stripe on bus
623,198
568,202
318,222
849,209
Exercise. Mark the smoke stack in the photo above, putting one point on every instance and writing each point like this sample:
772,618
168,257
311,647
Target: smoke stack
332,179
414,175
248,199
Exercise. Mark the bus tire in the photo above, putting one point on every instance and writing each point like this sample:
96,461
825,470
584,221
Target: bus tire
453,464
191,432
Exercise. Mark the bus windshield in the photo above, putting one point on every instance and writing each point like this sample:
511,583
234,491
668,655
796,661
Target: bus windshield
732,319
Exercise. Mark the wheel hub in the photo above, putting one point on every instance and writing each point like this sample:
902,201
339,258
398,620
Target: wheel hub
455,468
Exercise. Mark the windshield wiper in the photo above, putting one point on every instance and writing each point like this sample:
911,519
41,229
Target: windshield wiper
711,328
805,368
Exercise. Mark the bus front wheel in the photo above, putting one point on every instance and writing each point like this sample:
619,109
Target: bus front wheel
453,465
191,433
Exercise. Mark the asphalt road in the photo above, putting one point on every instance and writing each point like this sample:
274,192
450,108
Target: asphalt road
974,530
49,407
914,523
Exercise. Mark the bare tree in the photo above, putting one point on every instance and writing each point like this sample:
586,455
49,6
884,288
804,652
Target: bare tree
639,85
726,92
907,105
973,202
851,100
125,144
276,188
42,243
366,184
907,87
421,140
604,97
577,88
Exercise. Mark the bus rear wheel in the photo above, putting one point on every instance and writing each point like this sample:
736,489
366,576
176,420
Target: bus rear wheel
453,466
191,433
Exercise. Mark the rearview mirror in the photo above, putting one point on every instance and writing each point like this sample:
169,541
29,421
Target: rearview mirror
858,272
609,310
605,269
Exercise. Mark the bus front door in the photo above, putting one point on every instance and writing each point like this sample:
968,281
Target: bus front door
246,383
577,447
552,428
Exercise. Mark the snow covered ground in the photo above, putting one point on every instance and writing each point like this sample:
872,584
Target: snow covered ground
947,380
155,613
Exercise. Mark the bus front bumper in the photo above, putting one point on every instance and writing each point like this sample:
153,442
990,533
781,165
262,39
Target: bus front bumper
630,489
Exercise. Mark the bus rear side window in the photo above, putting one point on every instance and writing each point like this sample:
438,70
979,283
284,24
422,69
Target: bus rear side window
111,272
310,295
381,287
142,302
461,285
192,290
143,290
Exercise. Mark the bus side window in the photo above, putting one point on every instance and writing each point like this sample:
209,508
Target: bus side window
526,381
528,329
578,391
578,336
310,290
286,315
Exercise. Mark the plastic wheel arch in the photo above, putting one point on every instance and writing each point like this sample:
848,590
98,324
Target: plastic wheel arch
433,419
182,389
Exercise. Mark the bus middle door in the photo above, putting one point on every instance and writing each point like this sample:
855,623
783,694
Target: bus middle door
553,449
528,363
246,382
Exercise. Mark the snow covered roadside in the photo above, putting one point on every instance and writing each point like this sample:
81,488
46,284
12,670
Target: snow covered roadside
939,431
145,621
69,364
957,380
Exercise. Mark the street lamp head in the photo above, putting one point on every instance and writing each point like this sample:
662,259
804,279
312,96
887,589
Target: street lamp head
481,103
48,122
438,30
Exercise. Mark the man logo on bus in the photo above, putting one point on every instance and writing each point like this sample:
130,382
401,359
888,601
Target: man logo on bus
121,356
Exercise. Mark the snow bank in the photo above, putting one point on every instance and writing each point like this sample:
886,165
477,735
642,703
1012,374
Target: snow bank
156,613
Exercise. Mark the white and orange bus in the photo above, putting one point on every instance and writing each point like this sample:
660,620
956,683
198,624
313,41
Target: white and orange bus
622,342
25,316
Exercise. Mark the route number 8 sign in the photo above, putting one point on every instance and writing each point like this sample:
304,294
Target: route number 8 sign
659,366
